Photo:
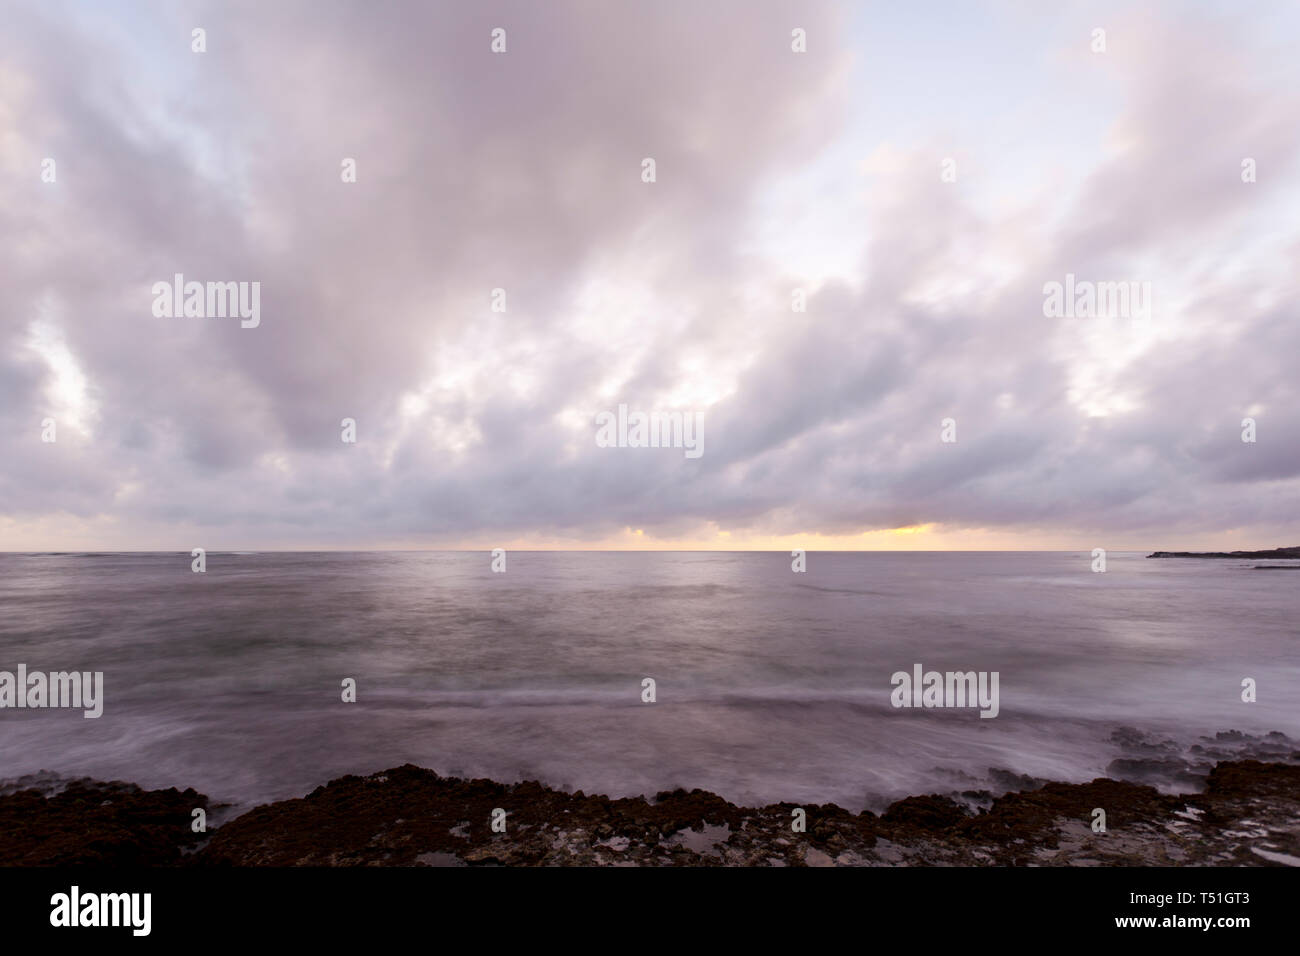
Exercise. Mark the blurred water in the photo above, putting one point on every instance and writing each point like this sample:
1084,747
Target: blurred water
771,685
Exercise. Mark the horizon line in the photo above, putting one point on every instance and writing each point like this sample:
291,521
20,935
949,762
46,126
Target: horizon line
615,550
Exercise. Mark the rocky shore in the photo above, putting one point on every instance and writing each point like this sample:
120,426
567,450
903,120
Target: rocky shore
1247,815
1276,554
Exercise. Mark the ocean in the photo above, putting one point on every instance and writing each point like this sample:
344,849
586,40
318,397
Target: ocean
769,685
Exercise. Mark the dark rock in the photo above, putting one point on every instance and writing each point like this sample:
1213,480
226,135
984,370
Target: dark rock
1277,553
934,812
98,824
409,816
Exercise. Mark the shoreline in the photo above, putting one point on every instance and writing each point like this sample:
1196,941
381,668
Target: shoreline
1247,815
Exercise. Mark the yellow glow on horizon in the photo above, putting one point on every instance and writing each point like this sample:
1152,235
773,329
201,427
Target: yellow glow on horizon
66,532
925,536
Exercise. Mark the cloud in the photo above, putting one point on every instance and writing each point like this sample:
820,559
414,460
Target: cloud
521,171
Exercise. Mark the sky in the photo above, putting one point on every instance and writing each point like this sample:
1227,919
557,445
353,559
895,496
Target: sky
920,173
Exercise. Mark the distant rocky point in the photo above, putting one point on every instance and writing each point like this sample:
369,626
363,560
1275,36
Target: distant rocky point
1275,553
